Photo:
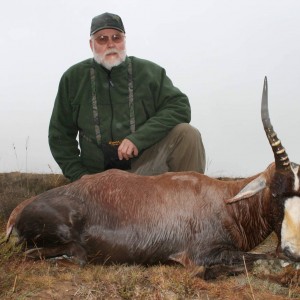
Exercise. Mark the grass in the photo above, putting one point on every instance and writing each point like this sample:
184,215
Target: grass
21,278
15,187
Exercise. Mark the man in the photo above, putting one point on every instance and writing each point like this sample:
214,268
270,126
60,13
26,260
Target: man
125,111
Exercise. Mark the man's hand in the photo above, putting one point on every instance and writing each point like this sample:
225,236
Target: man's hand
127,150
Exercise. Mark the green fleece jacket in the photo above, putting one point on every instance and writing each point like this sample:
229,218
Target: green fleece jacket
158,107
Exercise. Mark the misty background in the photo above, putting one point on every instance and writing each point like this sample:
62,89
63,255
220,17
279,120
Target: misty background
217,52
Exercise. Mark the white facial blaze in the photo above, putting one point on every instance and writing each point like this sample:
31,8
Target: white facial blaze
296,183
290,231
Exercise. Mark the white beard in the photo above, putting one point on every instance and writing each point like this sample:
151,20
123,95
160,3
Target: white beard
111,62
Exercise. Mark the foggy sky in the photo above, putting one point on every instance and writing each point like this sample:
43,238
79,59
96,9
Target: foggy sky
217,52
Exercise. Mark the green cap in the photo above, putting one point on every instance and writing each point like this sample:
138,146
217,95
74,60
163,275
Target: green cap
106,20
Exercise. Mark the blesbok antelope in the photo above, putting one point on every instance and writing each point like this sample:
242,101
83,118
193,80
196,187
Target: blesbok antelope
187,217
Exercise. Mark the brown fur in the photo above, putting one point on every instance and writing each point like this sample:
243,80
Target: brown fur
121,217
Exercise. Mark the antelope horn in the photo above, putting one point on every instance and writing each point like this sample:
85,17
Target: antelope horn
282,161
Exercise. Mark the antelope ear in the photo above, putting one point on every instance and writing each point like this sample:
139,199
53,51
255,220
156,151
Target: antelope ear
252,188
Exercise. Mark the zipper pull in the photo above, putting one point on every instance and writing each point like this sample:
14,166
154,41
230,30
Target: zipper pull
109,80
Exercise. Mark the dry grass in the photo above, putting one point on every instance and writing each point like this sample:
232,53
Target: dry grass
15,187
60,279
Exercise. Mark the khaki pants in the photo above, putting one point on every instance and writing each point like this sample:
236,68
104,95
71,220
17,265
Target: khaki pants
181,150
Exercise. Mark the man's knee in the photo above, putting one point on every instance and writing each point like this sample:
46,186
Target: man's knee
188,153
186,131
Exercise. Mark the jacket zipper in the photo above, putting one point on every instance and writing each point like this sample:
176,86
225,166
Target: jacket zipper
110,85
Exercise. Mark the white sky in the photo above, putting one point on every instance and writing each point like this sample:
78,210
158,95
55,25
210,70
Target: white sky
217,52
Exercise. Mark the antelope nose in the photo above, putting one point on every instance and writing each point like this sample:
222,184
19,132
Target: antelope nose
291,255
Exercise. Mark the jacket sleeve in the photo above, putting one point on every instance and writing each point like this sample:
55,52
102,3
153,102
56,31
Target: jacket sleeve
63,132
172,108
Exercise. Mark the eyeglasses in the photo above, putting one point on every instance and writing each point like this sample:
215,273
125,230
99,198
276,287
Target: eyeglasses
103,39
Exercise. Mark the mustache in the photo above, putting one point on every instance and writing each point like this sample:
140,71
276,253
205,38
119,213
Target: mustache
110,51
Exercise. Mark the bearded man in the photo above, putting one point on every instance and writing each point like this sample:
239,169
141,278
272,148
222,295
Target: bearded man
124,110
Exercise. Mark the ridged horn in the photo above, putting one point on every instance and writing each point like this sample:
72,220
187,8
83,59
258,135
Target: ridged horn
282,161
